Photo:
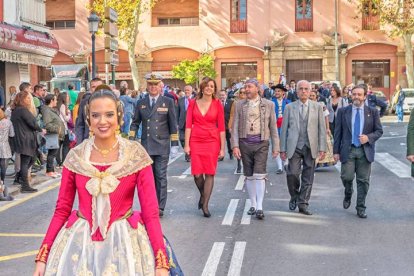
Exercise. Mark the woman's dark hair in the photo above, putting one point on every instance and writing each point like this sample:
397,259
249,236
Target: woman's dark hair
61,99
56,91
100,94
337,90
204,84
80,97
49,98
122,91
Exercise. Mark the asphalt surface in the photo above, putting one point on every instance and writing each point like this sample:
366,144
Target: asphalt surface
333,241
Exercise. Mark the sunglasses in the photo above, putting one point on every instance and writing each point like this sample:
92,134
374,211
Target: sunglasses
242,93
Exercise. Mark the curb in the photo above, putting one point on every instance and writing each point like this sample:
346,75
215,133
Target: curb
15,189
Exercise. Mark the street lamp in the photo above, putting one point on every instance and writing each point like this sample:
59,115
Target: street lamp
93,22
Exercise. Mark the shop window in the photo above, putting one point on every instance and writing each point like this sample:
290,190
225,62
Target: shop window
189,21
371,72
304,16
238,22
304,69
236,72
61,24
370,17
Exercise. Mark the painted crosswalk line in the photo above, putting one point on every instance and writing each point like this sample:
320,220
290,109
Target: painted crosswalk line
213,260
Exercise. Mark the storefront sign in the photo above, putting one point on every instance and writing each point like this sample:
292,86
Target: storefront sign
118,76
165,74
29,41
111,14
25,58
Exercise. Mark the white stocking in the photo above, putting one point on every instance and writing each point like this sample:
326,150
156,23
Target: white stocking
251,189
260,191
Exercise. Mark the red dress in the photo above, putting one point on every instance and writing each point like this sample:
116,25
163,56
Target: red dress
205,136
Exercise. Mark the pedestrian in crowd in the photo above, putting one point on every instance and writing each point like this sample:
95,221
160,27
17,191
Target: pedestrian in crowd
75,111
292,95
12,95
410,141
358,128
399,99
73,96
2,98
55,130
129,108
157,115
205,139
25,127
303,139
123,84
105,236
227,105
183,104
334,103
81,128
373,101
253,126
56,92
6,132
39,93
238,95
66,117
269,91
280,105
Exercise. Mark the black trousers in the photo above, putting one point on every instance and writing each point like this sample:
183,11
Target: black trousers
159,167
26,162
301,163
63,150
51,155
3,167
228,140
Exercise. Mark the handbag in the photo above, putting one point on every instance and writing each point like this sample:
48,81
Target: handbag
175,269
52,141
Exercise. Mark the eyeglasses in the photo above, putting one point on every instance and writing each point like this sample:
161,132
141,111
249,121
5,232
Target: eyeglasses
242,93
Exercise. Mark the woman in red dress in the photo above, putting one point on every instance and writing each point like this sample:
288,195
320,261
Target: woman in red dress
204,139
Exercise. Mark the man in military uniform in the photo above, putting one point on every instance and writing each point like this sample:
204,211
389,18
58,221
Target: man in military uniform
157,115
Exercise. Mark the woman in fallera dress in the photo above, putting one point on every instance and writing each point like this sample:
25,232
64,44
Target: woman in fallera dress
105,237
204,139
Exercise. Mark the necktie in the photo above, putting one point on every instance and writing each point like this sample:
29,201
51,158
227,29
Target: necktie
152,103
302,111
357,129
223,103
186,103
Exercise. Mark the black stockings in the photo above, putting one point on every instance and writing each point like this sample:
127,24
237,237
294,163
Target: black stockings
205,185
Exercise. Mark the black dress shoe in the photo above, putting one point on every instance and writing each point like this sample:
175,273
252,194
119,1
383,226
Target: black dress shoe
161,213
206,213
305,212
362,214
251,211
346,203
28,190
292,204
231,156
238,170
259,214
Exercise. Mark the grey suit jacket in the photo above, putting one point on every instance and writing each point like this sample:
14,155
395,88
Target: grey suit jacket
290,129
267,123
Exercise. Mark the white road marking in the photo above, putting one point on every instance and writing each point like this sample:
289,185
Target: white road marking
213,260
178,155
240,183
185,173
391,163
237,258
246,218
402,144
393,133
393,137
231,210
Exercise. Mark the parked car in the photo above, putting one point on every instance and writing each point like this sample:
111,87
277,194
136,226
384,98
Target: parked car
409,100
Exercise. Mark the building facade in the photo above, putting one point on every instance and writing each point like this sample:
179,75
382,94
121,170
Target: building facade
26,45
261,39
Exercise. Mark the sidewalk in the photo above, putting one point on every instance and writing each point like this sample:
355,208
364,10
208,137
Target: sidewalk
393,118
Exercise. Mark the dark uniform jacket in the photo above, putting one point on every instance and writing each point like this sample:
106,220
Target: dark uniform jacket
181,117
158,124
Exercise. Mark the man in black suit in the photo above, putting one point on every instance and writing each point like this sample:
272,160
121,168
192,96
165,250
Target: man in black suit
159,127
182,114
373,101
357,128
227,103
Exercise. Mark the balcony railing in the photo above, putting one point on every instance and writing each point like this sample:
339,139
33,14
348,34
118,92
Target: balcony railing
304,25
33,11
370,22
238,26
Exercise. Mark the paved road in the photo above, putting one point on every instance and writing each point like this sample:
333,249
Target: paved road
333,241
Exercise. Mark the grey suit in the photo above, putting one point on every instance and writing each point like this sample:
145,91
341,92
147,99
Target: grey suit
302,138
158,124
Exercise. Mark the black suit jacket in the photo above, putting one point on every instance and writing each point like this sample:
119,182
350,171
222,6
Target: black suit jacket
181,117
343,132
158,124
227,111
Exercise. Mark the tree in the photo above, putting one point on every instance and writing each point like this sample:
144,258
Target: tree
129,12
192,71
398,15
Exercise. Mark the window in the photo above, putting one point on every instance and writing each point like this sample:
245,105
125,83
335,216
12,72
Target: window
370,17
188,21
236,72
238,22
304,69
373,72
61,24
304,16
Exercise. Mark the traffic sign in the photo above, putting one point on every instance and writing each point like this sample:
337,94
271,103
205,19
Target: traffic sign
111,43
111,14
111,29
111,58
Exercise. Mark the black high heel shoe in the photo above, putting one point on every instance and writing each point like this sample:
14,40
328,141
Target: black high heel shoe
206,213
200,203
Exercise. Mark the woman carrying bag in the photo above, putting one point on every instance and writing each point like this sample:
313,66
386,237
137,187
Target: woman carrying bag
55,132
